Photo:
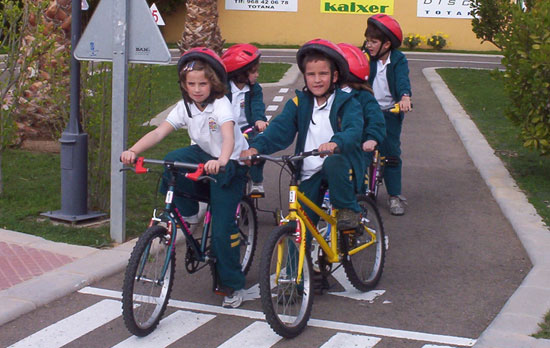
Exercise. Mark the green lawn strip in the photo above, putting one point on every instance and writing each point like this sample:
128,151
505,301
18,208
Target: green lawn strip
33,185
480,93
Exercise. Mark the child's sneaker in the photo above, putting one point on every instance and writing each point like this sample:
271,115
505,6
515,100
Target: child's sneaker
257,188
397,205
347,219
234,300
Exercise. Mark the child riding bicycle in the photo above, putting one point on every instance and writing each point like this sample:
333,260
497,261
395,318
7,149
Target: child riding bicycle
245,93
374,129
325,118
208,116
390,80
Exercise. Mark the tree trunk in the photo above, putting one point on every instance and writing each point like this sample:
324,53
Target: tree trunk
201,26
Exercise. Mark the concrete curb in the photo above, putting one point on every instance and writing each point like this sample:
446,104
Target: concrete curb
520,316
289,78
92,265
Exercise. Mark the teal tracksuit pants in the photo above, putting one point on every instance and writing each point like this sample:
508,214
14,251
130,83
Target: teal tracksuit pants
225,196
337,172
391,147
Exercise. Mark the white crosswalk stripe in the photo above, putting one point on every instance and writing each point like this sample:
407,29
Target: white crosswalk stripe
170,329
73,327
351,341
257,335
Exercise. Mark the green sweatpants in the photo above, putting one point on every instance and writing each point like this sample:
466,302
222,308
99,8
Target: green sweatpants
225,196
391,147
337,173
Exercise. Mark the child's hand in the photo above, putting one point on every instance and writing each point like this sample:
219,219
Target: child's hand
261,125
128,157
213,166
327,147
405,103
369,145
249,152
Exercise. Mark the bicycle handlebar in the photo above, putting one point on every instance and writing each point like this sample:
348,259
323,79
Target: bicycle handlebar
195,176
288,158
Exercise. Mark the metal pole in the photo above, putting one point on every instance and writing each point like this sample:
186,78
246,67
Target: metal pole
74,145
119,119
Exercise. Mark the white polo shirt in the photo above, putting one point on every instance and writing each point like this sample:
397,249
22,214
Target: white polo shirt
237,101
319,132
204,127
381,87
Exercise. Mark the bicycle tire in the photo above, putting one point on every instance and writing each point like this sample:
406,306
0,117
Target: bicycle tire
365,267
287,306
144,296
247,222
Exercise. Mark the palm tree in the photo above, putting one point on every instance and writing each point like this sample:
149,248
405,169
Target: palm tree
201,26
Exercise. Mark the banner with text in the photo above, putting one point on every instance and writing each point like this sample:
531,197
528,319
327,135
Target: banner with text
364,7
262,5
444,9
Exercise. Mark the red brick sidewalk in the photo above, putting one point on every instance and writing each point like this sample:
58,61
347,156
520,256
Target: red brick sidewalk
19,263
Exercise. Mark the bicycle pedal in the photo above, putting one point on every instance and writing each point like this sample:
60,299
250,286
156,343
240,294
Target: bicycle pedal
256,195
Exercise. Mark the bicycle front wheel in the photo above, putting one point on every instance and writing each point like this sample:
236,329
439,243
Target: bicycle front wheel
365,249
247,223
148,281
286,301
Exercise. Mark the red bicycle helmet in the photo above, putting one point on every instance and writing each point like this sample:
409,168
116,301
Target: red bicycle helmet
206,55
329,49
357,61
240,57
389,26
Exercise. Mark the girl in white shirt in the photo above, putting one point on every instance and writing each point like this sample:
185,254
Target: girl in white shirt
208,116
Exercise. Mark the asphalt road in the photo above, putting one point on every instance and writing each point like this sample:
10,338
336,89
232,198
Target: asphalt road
453,259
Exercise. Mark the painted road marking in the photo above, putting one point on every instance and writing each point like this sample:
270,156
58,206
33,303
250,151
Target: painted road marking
74,326
170,329
351,292
257,335
272,108
325,324
278,98
348,340
283,90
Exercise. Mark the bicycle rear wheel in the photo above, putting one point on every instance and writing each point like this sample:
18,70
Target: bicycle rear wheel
146,290
247,222
286,302
364,267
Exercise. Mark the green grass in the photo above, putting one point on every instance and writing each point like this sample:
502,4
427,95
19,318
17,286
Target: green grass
32,180
480,93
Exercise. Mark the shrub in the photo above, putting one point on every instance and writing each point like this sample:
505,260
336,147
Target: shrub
437,41
526,48
411,41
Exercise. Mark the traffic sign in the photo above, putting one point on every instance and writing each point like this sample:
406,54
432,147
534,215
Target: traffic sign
156,15
145,42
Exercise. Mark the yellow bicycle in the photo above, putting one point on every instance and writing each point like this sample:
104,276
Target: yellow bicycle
286,271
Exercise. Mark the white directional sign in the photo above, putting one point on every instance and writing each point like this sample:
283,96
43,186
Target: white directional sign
145,42
156,15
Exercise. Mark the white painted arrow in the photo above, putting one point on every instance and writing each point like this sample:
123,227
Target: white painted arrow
350,291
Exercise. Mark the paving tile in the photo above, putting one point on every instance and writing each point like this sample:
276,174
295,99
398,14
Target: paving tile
21,263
